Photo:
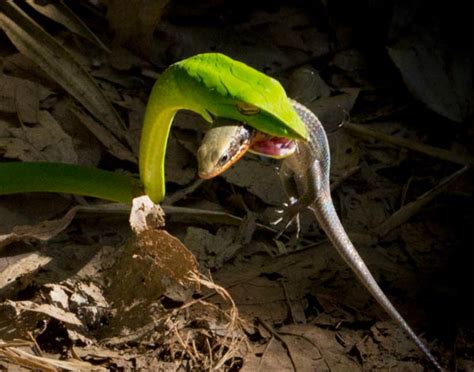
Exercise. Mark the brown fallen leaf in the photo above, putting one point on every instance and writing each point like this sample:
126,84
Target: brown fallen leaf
135,20
350,60
306,85
260,178
43,231
19,65
12,268
212,250
334,110
20,357
434,74
59,12
15,148
57,62
46,141
180,164
292,30
113,145
22,97
153,264
49,310
408,210
345,152
303,348
88,148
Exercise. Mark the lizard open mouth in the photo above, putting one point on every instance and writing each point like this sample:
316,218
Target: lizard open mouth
272,146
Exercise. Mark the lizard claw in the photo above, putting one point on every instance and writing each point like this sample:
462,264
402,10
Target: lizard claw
289,215
276,222
281,211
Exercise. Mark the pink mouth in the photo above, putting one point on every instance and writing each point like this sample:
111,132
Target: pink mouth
270,146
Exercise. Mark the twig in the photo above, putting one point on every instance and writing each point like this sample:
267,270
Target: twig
232,326
209,348
432,151
267,346
184,345
182,214
36,348
343,177
288,301
275,334
410,209
181,194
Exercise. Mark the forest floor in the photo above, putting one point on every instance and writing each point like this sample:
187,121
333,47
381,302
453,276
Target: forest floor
80,290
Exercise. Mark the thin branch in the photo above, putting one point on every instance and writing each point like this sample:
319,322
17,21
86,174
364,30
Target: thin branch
410,209
432,151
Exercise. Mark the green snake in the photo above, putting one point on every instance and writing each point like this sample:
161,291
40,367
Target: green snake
216,86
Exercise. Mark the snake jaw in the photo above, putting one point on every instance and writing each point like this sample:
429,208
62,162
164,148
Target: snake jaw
272,146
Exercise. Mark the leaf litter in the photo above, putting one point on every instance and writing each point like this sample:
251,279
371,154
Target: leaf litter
82,292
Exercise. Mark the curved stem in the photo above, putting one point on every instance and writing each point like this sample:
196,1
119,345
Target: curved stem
18,177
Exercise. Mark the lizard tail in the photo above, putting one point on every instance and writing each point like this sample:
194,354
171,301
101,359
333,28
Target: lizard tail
327,217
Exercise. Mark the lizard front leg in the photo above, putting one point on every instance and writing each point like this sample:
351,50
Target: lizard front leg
310,183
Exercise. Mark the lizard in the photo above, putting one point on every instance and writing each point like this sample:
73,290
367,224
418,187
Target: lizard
309,163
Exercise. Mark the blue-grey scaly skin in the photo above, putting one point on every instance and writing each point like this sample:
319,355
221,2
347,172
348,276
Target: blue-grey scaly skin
310,168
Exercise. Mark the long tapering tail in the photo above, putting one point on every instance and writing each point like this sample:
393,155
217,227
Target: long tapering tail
326,215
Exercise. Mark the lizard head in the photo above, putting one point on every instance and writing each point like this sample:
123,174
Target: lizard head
224,144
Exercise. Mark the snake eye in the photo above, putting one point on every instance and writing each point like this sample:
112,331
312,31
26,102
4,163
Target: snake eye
247,109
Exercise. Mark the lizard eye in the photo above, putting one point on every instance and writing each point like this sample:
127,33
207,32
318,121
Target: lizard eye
247,109
224,159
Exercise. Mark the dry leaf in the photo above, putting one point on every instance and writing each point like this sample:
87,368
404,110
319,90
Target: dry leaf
59,147
333,111
15,148
310,349
22,97
20,357
292,29
259,178
43,231
19,65
212,250
60,13
350,60
178,42
45,141
12,268
345,152
135,20
49,310
113,145
306,85
180,164
151,265
34,42
88,148
440,79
